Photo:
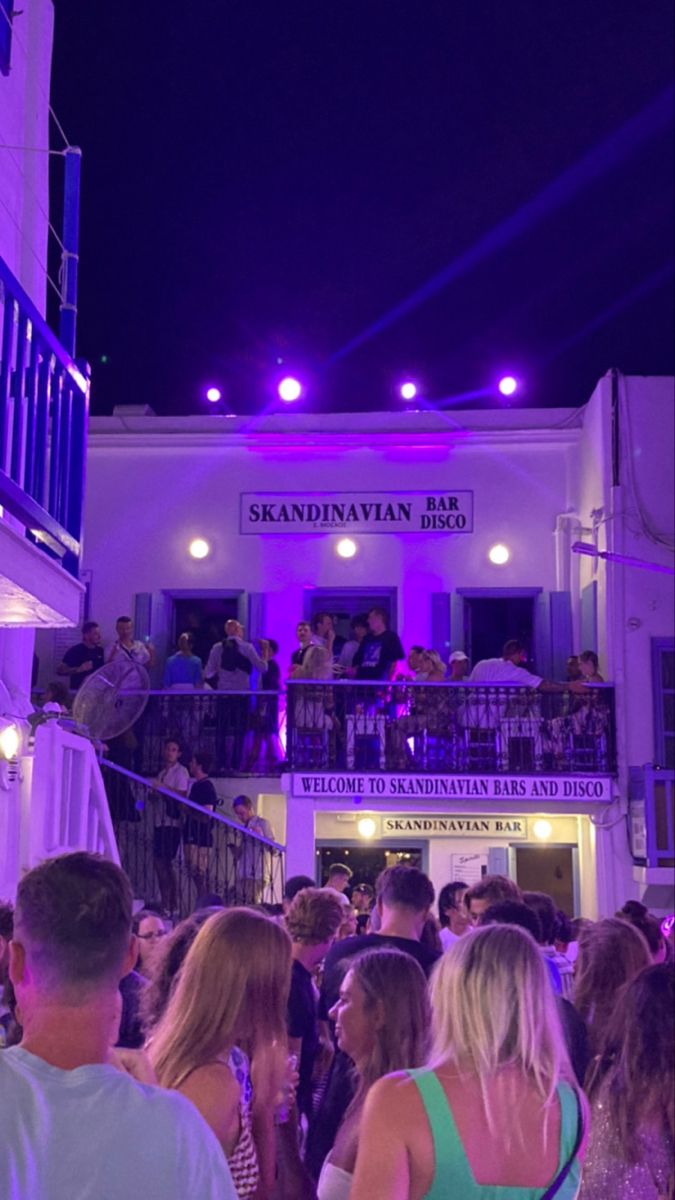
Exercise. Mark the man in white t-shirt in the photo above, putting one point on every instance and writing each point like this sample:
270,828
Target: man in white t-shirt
125,646
167,821
74,1127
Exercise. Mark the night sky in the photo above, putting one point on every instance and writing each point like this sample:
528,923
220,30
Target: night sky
271,180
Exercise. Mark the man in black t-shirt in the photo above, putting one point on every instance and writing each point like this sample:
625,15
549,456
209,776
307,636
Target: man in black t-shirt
197,830
379,651
84,658
312,920
404,899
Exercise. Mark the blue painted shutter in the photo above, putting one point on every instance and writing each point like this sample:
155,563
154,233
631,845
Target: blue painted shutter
589,617
561,633
440,623
457,638
542,635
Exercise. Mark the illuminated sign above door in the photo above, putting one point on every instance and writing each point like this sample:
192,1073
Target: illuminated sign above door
359,512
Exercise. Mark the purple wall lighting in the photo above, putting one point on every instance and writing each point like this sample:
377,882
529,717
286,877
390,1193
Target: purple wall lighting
289,389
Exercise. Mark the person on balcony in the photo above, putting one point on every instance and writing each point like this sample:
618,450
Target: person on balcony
183,670
358,628
323,631
458,664
82,660
230,665
379,651
125,646
304,636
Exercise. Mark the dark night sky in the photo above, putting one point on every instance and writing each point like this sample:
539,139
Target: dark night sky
268,179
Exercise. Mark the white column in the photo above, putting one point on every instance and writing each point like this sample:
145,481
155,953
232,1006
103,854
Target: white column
16,666
300,853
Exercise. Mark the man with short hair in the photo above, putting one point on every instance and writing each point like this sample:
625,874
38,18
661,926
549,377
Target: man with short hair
295,884
509,669
492,889
125,646
83,659
339,875
363,896
304,636
379,651
233,660
312,920
323,630
253,859
558,964
74,1127
415,662
358,628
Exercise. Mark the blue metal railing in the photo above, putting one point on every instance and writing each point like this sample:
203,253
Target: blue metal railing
44,401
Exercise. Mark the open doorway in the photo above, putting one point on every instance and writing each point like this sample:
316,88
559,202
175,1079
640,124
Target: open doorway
367,861
490,620
203,617
550,869
345,603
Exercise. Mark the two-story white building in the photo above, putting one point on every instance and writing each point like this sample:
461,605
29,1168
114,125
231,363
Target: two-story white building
424,497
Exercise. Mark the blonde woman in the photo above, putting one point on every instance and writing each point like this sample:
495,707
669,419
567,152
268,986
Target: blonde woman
314,705
495,1112
229,1000
382,1021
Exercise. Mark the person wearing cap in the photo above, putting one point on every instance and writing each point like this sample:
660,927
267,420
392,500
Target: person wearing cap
459,666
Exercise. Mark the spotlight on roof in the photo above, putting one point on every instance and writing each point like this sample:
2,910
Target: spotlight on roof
408,390
213,395
289,389
508,385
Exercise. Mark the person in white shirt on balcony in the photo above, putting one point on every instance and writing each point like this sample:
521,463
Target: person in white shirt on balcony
509,669
125,646
74,1126
232,661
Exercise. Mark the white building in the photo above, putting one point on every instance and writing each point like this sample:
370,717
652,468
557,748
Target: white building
535,481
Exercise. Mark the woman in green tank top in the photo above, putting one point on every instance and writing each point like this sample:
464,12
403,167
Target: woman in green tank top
496,1114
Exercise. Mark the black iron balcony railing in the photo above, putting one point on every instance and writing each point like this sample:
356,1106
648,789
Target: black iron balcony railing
433,728
449,728
174,851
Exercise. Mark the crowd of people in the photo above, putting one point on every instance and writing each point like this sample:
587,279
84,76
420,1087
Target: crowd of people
354,1044
372,651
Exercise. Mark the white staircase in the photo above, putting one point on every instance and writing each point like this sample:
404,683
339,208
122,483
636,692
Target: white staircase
58,804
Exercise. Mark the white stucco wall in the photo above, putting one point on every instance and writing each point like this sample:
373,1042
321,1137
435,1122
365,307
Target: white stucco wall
150,490
24,123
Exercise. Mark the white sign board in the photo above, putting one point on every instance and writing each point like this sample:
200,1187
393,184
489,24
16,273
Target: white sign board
467,867
356,512
452,787
453,826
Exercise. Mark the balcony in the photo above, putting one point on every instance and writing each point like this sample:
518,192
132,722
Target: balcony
383,728
44,399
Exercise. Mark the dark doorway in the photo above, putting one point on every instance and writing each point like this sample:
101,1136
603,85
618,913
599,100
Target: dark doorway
345,603
548,869
489,621
365,861
203,617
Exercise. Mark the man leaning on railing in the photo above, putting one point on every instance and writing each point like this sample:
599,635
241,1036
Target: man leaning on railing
253,860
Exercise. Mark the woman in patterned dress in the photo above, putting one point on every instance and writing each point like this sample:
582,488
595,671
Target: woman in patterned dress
230,998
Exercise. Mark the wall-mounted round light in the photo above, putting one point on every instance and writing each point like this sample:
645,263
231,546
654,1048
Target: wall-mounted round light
10,741
213,395
542,829
366,827
499,554
289,389
508,385
346,548
199,548
408,390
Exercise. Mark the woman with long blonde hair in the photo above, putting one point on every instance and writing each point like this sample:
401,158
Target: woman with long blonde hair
496,1107
229,1002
